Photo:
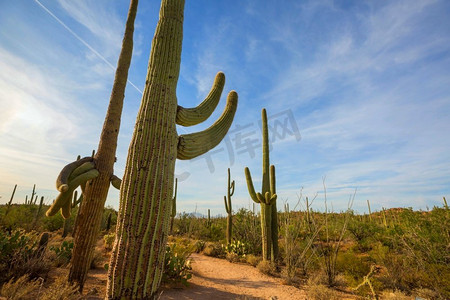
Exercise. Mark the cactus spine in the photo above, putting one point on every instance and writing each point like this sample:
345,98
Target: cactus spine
174,206
228,208
137,259
267,199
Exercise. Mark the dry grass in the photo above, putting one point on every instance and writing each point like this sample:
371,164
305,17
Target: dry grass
22,288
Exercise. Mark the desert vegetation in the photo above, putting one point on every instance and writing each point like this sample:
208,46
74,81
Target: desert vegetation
47,250
391,253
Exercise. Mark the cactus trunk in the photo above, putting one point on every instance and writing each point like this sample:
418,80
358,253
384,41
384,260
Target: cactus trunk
95,193
137,259
266,231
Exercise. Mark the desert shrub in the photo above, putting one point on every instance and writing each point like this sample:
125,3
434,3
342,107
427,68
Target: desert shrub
354,266
365,233
253,260
267,267
247,229
20,216
20,254
214,250
63,252
97,260
108,241
177,265
199,246
53,223
60,289
22,288
321,292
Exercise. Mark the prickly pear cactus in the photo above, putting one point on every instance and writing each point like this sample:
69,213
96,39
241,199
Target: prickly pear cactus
146,191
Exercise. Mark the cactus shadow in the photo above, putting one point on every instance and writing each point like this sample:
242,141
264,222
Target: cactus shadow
199,292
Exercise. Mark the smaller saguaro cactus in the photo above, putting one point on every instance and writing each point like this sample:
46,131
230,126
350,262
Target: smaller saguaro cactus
8,206
370,212
228,207
208,221
33,193
108,222
173,212
38,212
445,203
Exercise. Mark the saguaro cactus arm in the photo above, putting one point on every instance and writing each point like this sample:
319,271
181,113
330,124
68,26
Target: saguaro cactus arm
198,143
196,115
116,181
251,188
65,198
227,209
61,182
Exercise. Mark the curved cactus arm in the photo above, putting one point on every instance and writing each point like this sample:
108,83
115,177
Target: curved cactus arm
81,169
232,188
196,115
65,209
251,188
227,209
66,196
62,180
195,144
116,181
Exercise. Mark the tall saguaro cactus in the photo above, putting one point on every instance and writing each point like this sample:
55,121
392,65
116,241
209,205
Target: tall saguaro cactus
267,198
228,208
137,259
98,169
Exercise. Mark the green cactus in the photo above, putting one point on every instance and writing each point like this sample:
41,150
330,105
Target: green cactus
32,194
445,203
137,259
8,206
370,212
38,212
267,199
228,208
108,222
174,207
208,220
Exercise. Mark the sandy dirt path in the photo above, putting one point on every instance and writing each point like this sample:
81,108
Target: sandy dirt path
215,279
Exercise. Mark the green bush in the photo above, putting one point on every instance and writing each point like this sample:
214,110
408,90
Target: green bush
108,240
63,252
177,265
20,255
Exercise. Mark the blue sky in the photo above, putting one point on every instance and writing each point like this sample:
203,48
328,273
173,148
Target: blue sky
366,84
